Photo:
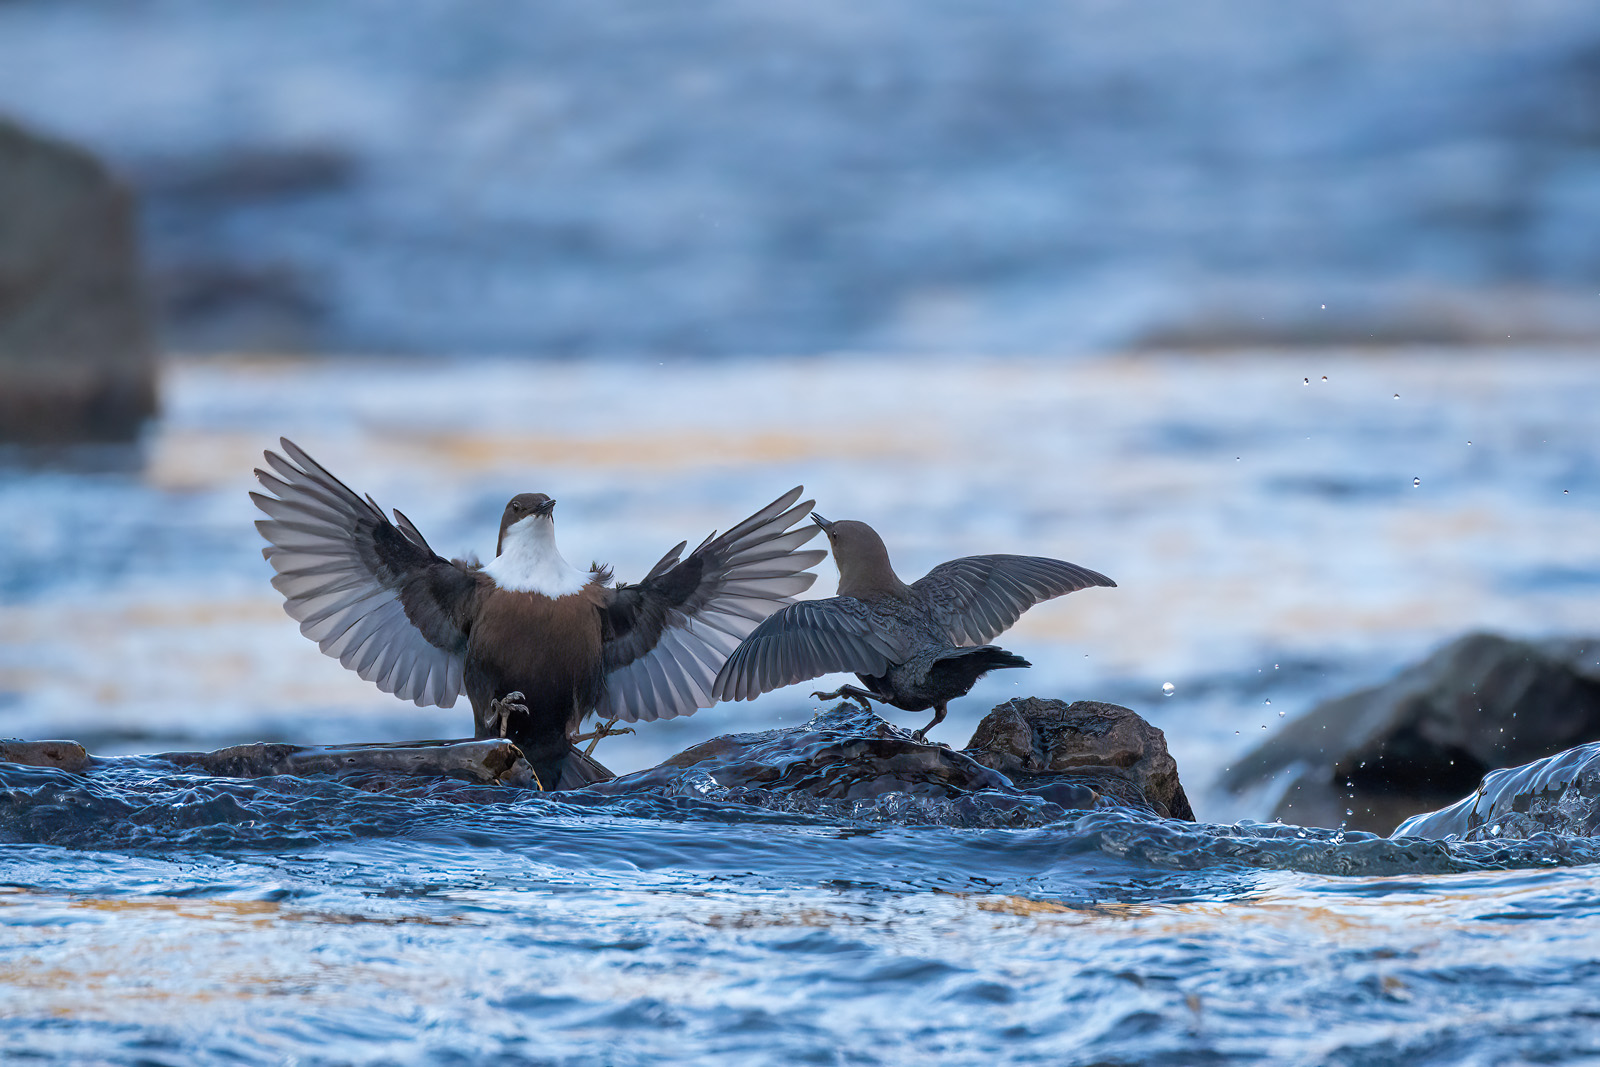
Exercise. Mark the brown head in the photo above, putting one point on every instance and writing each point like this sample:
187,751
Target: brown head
522,506
863,561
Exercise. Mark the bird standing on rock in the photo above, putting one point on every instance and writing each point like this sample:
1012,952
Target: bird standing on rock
534,642
914,646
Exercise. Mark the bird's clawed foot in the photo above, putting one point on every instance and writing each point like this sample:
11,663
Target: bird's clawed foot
848,692
938,717
606,729
497,720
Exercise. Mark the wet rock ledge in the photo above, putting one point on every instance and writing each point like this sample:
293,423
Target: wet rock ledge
1082,755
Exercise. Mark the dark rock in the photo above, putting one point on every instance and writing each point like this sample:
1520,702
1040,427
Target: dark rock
496,761
1104,745
1556,795
842,754
1428,736
77,356
1075,756
67,755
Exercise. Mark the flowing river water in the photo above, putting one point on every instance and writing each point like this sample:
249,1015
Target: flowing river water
1282,526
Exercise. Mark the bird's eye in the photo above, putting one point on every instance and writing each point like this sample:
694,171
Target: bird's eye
516,505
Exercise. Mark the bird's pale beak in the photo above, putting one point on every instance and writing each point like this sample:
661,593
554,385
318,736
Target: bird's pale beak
827,526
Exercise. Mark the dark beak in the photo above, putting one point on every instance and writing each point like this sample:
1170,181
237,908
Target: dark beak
546,508
827,526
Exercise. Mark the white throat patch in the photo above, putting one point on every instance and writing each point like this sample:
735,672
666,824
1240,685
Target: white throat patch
530,562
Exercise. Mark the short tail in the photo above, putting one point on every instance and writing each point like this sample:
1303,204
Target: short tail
960,668
986,658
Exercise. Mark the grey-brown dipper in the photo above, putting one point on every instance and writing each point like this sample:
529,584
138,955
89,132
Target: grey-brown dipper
914,646
535,643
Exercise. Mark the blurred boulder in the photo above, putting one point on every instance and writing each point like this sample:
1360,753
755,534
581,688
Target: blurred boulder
1422,740
77,354
1108,747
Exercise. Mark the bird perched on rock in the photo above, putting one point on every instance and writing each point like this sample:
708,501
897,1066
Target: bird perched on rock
914,646
534,642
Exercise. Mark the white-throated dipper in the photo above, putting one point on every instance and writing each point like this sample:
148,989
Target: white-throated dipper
534,642
914,646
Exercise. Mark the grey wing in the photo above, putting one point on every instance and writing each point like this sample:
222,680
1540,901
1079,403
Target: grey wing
976,598
806,640
370,593
668,635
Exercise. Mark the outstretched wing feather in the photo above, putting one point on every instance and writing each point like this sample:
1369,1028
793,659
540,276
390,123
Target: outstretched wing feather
670,634
976,598
370,592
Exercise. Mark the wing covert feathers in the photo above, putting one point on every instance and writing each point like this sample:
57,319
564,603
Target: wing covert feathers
670,634
370,593
975,598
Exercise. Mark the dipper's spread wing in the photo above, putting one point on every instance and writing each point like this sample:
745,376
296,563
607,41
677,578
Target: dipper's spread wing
368,592
668,636
805,640
976,598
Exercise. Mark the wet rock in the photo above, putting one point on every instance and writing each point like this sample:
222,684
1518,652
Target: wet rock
1075,756
67,755
842,754
1033,741
491,761
1423,739
77,355
1559,794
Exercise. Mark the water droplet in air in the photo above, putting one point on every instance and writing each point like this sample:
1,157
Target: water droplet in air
1469,444
1168,688
1349,811
1267,702
1416,483
1306,381
1236,733
1263,726
1565,492
1324,377
1324,307
1397,396
1280,714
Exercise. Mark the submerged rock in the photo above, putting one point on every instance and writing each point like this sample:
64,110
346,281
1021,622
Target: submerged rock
77,353
1074,756
1428,736
842,754
1559,794
1033,740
